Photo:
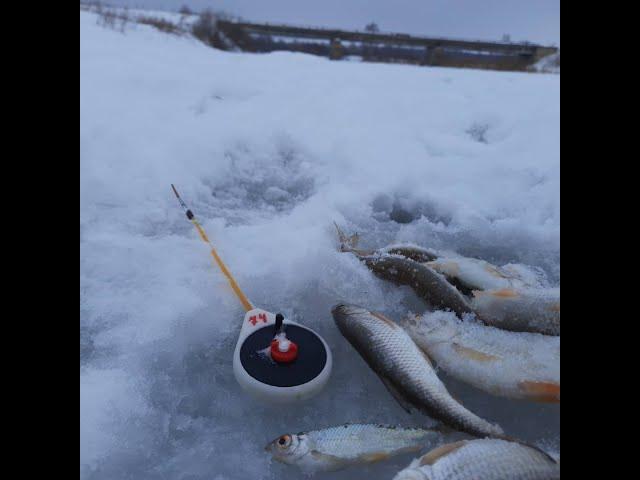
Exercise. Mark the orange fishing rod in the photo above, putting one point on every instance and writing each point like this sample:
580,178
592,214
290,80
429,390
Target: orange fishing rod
305,354
225,271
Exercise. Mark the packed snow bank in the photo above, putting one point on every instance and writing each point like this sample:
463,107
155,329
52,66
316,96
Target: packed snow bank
269,150
549,64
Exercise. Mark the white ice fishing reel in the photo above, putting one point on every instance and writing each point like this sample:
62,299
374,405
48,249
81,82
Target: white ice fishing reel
280,361
275,360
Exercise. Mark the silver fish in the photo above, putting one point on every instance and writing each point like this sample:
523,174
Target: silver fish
405,369
508,364
349,243
425,282
486,459
475,274
520,310
335,448
509,297
407,265
412,252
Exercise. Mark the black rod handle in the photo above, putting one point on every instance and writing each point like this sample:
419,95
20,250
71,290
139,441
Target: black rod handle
279,323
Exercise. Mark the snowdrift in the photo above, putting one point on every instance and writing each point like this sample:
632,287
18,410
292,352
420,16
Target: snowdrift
269,150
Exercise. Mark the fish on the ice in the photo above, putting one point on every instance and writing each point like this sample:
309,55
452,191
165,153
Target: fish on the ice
520,310
335,448
486,459
503,363
406,265
428,284
475,274
412,252
406,370
349,243
510,297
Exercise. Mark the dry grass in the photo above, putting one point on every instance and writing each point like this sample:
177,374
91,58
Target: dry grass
119,18
161,24
205,28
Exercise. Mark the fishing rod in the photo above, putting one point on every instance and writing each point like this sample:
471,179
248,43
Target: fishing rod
275,359
225,271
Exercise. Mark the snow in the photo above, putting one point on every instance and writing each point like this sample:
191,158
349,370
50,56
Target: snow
548,64
269,150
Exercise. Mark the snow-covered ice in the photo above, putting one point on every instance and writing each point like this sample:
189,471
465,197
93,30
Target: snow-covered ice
269,150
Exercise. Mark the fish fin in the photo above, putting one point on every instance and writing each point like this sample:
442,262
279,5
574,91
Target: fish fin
347,243
342,238
503,293
496,272
473,354
406,406
437,453
354,240
417,255
547,392
444,429
374,457
332,461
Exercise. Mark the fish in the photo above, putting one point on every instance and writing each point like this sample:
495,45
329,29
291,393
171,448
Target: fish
486,459
407,265
428,284
405,370
339,447
349,243
510,297
475,274
502,363
520,310
412,252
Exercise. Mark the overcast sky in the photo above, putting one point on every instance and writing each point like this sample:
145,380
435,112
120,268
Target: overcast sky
533,20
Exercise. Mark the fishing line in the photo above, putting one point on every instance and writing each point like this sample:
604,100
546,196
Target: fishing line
298,362
225,271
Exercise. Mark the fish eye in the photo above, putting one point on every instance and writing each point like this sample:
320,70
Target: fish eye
284,441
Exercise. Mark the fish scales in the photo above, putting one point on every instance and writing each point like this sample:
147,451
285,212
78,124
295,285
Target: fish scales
412,252
475,274
405,369
486,459
334,448
426,282
511,297
509,364
520,310
351,441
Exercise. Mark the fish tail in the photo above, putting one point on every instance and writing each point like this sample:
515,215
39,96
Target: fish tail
546,392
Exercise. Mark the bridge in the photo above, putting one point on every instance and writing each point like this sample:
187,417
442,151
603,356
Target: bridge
385,46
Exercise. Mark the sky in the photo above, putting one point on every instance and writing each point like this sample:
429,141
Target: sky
532,20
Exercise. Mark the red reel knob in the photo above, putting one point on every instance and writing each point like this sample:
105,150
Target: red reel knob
283,357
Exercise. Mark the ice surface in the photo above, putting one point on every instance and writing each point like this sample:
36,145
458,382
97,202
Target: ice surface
269,150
